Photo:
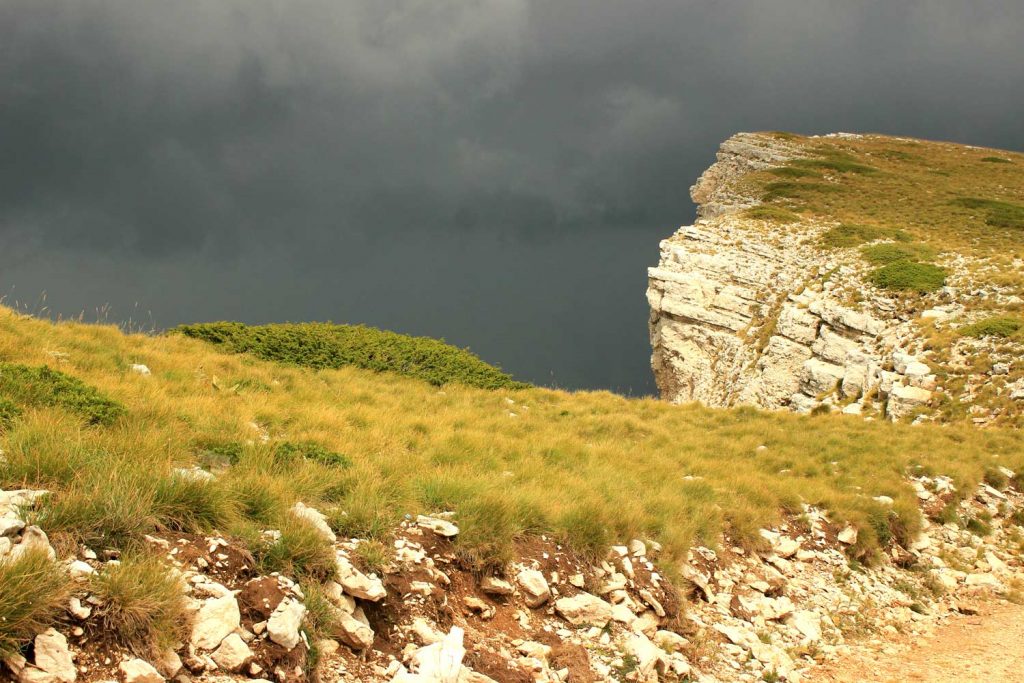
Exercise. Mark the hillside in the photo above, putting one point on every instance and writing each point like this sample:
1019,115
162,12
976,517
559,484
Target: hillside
866,274
318,502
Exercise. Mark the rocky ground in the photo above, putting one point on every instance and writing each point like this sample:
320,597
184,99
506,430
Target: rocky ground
776,612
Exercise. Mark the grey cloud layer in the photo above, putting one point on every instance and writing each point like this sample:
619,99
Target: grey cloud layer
312,139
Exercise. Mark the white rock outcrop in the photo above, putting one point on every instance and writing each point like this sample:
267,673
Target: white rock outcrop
744,313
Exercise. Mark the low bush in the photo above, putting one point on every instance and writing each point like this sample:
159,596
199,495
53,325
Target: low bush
771,213
853,234
8,414
143,603
323,345
786,189
908,276
287,452
215,452
996,160
837,162
793,172
43,386
33,591
997,326
881,254
997,214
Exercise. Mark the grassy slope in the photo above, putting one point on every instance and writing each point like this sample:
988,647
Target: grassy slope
931,190
934,202
593,465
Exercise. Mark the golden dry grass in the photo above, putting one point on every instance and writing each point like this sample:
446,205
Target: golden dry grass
592,466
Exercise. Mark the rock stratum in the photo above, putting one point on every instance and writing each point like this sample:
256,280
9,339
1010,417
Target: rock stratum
766,300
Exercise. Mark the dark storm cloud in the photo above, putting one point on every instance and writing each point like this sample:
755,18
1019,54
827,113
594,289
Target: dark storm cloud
496,172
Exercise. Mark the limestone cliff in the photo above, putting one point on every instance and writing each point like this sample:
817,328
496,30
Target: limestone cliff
748,309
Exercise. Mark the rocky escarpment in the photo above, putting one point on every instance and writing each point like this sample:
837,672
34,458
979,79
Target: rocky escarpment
750,310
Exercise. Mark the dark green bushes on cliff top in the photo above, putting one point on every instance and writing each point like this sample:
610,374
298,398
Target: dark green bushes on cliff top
324,345
43,386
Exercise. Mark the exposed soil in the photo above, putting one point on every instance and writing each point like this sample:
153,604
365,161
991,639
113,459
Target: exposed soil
983,648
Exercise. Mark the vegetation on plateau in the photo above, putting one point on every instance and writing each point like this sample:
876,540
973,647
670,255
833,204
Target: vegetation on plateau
324,345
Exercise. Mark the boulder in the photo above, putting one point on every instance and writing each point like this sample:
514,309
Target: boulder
139,671
357,584
441,527
584,609
353,632
495,586
283,625
316,519
820,377
534,586
903,400
217,618
233,653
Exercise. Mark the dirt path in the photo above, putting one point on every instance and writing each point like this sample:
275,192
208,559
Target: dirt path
987,648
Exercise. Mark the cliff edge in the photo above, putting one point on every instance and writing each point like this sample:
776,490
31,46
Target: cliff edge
866,274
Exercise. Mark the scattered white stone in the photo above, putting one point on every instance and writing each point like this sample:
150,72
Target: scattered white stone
53,656
534,586
217,617
139,671
283,625
315,518
357,584
232,654
584,609
441,527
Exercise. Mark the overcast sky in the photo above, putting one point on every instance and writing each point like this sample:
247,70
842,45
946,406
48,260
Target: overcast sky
494,172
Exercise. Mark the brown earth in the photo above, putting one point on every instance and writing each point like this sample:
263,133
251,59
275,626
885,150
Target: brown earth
984,648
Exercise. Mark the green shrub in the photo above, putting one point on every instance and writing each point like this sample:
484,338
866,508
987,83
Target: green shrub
323,345
8,414
214,452
881,254
998,214
838,162
785,189
794,172
33,591
907,276
42,386
852,235
143,603
287,452
996,160
771,213
998,326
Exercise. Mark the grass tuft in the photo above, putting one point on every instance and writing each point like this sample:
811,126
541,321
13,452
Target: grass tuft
33,591
143,603
301,552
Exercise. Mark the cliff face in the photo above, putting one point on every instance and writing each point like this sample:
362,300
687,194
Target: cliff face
747,309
